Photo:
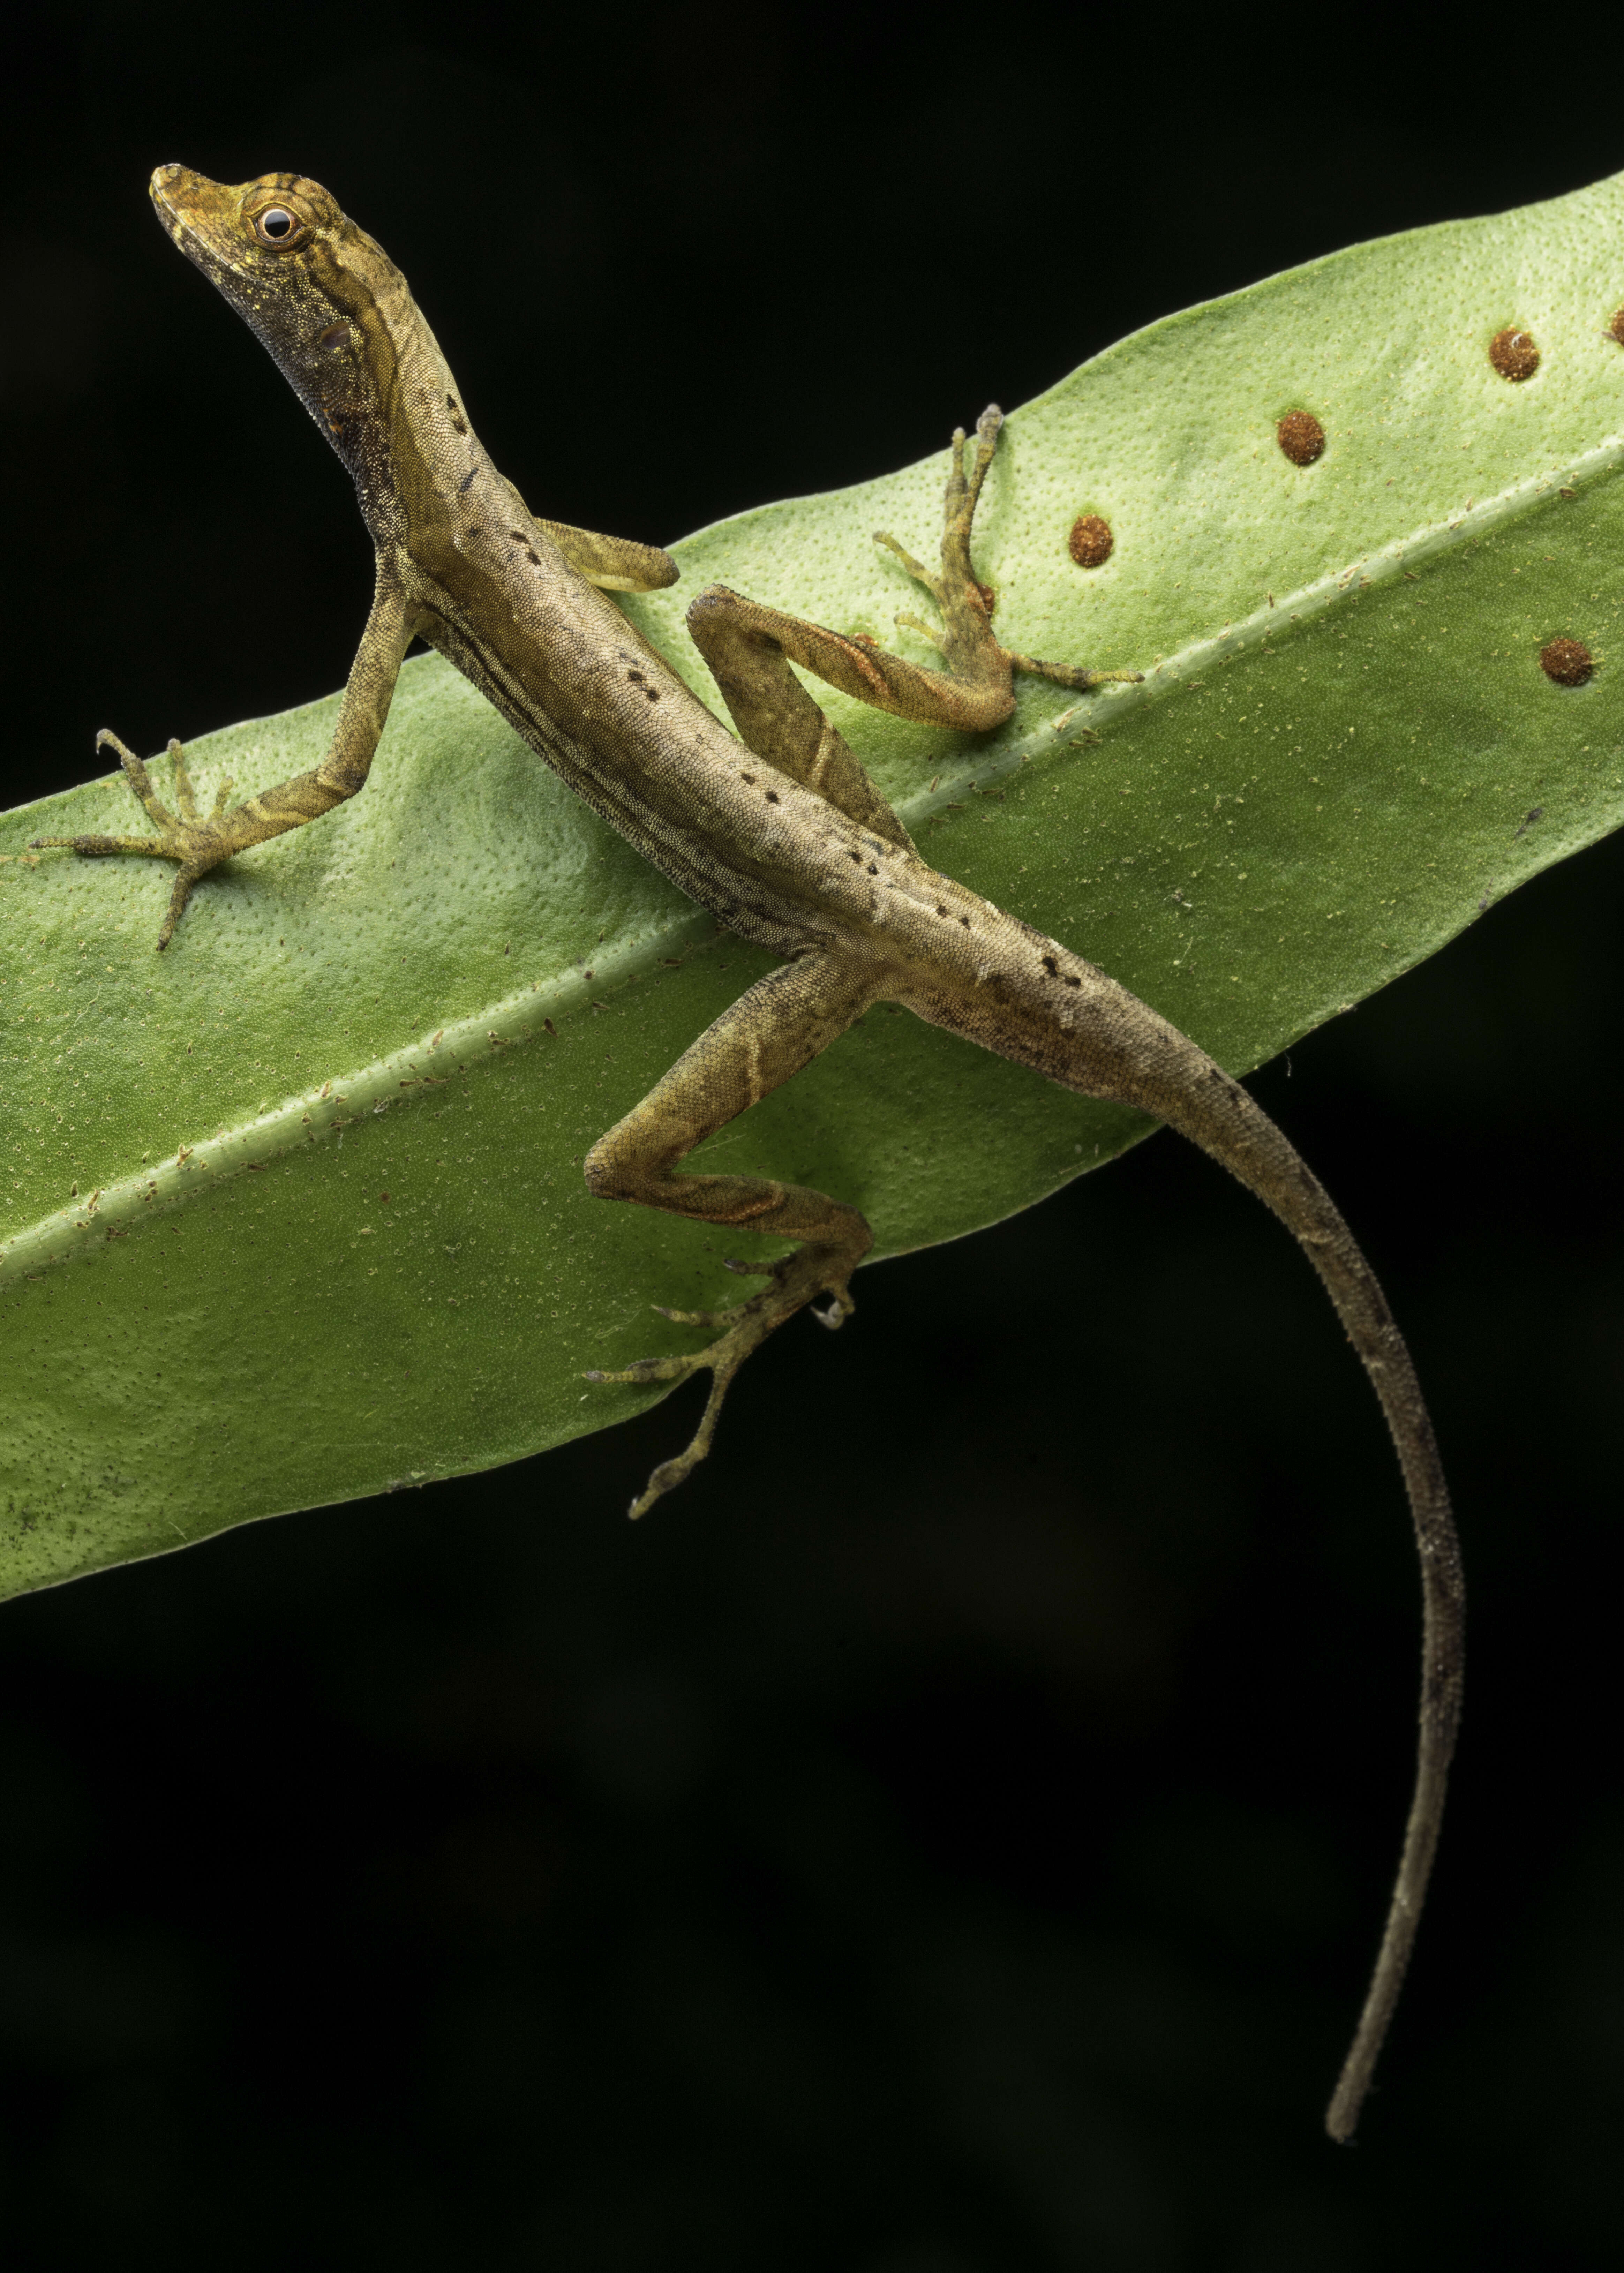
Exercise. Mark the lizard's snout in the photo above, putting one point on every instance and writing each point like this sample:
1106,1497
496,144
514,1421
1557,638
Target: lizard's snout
173,187
168,190
187,199
167,184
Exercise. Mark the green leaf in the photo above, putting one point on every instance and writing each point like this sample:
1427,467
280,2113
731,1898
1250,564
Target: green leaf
294,1212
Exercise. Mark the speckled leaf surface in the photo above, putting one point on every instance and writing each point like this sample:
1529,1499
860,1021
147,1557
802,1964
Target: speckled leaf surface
294,1212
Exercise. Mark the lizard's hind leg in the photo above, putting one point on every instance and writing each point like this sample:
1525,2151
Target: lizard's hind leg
769,1034
971,695
966,638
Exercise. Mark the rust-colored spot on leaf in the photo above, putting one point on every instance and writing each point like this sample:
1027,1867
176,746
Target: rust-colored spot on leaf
1514,354
1569,662
989,598
1300,437
1091,542
1615,329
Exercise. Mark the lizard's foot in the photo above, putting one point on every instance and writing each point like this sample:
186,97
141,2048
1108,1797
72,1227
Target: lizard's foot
816,1269
198,845
967,639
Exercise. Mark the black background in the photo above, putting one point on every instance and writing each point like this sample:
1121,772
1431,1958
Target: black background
950,1837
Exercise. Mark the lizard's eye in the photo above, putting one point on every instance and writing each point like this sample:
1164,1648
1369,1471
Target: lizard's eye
275,225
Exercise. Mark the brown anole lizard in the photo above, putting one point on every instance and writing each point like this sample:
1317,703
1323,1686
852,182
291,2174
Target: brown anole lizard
776,829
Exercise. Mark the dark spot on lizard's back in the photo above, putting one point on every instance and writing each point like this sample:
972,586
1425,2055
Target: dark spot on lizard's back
1300,437
873,871
858,858
1091,542
1514,354
1567,662
749,780
1072,982
772,797
1051,966
457,419
965,920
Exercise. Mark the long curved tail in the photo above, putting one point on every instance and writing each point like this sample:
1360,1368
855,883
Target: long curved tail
1033,1000
1184,1088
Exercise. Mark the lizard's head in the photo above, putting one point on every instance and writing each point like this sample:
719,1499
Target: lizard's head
314,287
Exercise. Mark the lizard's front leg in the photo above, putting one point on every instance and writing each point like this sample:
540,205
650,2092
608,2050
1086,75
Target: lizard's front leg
769,1034
198,845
